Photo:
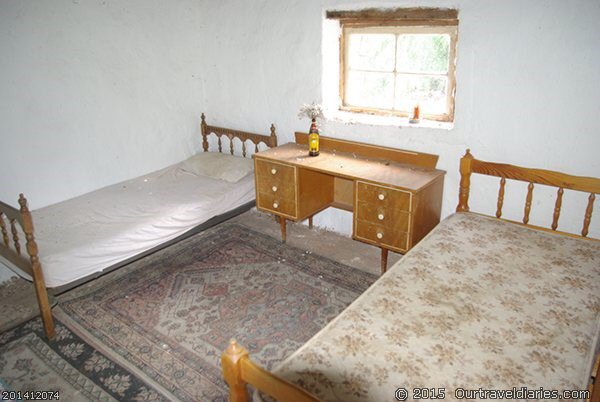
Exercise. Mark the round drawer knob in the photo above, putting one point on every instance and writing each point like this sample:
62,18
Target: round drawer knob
274,188
381,197
380,217
379,235
275,205
273,171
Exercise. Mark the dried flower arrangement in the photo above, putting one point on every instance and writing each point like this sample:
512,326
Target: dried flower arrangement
313,111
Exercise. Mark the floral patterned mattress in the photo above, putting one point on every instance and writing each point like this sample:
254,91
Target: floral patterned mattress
479,303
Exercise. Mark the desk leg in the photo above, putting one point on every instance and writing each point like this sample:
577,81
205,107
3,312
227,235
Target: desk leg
310,223
384,258
282,223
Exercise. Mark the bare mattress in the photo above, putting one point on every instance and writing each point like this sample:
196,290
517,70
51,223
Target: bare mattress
97,230
479,305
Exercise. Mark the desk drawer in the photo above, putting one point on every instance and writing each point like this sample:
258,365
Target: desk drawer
385,197
384,216
276,188
276,204
381,235
276,179
272,173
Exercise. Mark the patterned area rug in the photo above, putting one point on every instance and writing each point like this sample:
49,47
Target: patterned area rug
171,314
69,368
18,303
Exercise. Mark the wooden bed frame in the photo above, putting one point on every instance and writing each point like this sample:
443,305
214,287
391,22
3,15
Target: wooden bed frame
29,262
562,181
239,370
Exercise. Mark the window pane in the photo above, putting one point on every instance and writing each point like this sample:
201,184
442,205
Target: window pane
370,89
423,53
371,52
429,92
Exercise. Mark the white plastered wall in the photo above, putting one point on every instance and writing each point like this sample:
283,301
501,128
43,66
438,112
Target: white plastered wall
95,92
527,90
98,91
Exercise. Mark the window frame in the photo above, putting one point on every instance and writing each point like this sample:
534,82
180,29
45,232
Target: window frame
387,22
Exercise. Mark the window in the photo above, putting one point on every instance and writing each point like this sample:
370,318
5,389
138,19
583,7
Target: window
392,61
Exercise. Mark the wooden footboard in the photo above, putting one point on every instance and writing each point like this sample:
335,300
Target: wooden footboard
29,263
470,165
239,370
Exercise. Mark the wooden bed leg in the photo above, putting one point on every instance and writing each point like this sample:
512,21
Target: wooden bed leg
384,258
38,276
310,222
43,302
283,231
232,371
595,395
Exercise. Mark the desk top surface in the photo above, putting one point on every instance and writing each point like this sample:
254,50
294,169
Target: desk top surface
354,166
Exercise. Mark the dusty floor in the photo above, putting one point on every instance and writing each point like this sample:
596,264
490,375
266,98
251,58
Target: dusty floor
17,297
17,303
332,245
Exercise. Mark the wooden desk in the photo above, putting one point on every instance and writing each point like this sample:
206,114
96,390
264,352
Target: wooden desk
394,204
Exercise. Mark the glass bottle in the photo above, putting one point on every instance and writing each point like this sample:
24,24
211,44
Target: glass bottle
313,139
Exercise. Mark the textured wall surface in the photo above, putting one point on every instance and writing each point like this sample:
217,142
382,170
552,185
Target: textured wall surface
94,92
527,89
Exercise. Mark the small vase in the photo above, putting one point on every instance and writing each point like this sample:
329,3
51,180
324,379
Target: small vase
313,139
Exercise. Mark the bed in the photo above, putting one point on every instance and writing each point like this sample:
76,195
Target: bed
481,306
87,236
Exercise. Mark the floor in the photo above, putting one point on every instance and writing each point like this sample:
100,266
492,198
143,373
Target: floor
17,303
17,297
330,244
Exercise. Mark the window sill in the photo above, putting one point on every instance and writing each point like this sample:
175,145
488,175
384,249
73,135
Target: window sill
345,117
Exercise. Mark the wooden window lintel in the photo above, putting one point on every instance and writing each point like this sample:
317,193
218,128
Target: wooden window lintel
397,14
